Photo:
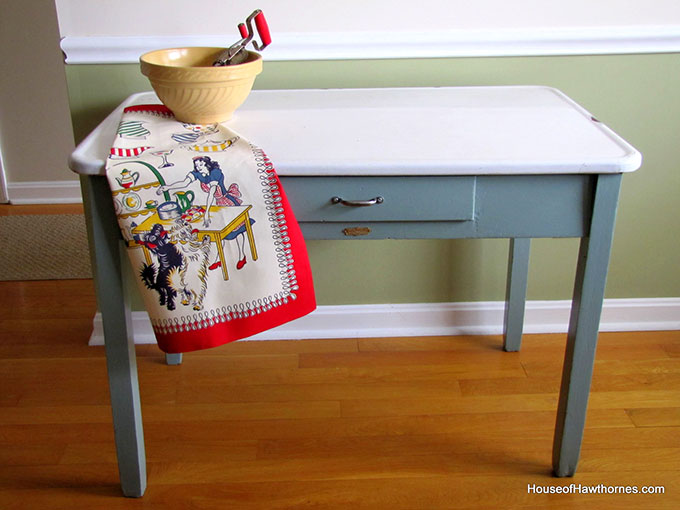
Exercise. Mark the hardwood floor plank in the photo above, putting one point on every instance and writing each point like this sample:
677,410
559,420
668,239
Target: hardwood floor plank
605,351
492,359
59,414
511,386
431,343
438,406
37,333
31,454
474,441
604,369
646,459
628,399
673,350
242,411
199,393
245,362
230,451
656,417
638,438
20,210
279,347
65,433
26,350
47,299
71,476
213,372
610,383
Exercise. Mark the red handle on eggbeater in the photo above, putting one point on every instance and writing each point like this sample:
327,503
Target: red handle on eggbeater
263,30
243,30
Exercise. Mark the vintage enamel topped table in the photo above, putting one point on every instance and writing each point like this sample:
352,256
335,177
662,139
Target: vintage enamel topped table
475,162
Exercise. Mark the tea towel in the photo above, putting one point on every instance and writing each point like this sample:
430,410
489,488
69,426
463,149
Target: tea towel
213,242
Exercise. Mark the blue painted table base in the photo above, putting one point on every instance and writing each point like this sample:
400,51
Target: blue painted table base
121,360
516,207
516,293
586,308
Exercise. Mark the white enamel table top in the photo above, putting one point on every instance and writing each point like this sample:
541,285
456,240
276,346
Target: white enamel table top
410,131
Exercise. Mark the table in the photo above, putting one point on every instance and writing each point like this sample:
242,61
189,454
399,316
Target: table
453,162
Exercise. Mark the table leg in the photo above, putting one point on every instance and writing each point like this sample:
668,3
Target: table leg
107,252
147,256
251,239
591,275
516,293
173,359
220,253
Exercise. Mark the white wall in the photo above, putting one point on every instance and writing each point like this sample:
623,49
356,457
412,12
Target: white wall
36,136
117,32
182,17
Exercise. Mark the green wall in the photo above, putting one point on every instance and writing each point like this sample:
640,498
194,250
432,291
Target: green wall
636,95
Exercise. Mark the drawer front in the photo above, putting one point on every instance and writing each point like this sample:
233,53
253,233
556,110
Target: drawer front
423,198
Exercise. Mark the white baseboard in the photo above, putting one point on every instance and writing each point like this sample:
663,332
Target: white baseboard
44,192
430,319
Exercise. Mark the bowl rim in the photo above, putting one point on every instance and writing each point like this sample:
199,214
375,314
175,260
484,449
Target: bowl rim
253,58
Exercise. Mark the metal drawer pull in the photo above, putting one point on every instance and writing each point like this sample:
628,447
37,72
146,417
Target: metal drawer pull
357,203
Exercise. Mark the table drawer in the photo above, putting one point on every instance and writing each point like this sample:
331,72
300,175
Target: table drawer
422,198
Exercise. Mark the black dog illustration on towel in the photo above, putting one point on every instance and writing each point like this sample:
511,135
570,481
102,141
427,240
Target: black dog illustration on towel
169,258
182,264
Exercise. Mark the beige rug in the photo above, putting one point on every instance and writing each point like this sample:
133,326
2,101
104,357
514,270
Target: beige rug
44,247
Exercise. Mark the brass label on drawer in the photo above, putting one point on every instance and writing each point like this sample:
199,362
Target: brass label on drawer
356,231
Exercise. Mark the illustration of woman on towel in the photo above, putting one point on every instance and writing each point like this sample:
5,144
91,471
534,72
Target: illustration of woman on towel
211,178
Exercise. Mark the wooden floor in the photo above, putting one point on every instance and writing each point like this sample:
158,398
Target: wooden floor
398,424
19,210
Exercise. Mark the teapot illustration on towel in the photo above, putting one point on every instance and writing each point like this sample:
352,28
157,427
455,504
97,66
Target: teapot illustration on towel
127,178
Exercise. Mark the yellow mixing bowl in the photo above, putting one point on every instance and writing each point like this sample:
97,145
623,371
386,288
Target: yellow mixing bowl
186,82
